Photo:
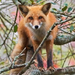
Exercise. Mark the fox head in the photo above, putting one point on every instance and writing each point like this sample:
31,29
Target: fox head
35,16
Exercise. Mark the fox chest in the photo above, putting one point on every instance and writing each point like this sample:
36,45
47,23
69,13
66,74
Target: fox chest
38,34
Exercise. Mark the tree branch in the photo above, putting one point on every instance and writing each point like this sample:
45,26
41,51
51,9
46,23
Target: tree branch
34,71
65,39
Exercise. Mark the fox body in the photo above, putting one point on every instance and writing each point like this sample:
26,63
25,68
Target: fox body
32,28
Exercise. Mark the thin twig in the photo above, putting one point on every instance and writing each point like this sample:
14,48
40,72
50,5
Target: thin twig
11,27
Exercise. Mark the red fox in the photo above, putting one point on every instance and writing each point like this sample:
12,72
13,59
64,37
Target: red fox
36,21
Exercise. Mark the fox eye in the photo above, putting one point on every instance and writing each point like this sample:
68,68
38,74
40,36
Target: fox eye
40,17
31,18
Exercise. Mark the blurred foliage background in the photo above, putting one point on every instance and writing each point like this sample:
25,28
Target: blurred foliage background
63,55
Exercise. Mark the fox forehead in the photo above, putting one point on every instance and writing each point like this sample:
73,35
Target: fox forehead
35,11
34,8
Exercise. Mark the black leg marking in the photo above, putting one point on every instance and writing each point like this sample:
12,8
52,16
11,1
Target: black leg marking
39,59
49,59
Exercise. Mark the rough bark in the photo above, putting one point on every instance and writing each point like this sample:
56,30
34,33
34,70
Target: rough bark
34,71
64,40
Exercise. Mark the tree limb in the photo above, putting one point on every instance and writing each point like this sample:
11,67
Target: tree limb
65,39
34,71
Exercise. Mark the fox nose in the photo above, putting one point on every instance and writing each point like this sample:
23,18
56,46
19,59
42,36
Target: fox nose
36,27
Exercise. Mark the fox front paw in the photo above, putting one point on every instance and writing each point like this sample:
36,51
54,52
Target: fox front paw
41,69
51,68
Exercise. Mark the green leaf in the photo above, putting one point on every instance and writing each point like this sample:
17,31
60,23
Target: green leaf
61,36
54,9
71,28
14,42
32,1
38,1
66,4
42,3
64,8
1,63
53,3
15,28
69,9
0,0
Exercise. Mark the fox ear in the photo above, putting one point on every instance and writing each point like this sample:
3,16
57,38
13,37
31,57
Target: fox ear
24,10
46,8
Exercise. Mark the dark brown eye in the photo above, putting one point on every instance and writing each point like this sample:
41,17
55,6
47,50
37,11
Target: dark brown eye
40,17
31,18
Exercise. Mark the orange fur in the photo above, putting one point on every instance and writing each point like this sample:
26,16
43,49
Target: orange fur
29,29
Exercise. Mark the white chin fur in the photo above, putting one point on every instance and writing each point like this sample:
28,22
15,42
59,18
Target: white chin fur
33,27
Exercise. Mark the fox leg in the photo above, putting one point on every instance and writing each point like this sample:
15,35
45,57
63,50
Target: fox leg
49,50
17,50
38,56
40,62
22,43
